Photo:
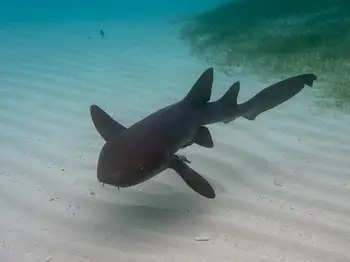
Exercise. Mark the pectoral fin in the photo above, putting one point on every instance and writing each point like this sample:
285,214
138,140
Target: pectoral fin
192,178
105,124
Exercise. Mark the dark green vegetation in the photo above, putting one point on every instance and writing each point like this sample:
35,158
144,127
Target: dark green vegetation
279,38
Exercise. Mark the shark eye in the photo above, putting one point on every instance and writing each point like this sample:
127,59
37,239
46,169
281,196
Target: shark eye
142,168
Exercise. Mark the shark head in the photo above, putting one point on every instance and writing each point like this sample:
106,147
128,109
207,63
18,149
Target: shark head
126,162
127,159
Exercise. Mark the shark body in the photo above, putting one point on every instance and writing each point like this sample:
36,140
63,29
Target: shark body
133,155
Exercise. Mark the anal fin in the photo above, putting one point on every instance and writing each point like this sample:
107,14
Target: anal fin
192,178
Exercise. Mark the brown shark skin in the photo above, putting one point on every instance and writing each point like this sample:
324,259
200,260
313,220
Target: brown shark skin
148,147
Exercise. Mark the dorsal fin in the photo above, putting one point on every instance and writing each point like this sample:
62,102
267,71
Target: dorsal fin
229,99
105,125
201,91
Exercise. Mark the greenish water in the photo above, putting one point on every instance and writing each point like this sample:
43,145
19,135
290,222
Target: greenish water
278,38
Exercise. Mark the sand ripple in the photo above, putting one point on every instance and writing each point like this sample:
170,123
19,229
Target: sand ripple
282,181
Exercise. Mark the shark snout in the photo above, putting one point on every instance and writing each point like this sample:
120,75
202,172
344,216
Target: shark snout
111,178
108,174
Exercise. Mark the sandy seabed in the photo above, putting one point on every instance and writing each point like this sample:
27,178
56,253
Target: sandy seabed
282,181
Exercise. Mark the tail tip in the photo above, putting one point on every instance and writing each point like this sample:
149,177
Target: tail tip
309,79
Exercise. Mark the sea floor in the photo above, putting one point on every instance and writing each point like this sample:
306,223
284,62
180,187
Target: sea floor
282,181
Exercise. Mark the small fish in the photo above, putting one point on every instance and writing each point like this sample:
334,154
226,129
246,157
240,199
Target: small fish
102,33
133,155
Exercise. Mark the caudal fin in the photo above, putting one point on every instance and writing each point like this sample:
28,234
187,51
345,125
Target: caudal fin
275,95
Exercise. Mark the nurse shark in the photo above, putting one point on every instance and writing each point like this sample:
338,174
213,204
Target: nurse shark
135,154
